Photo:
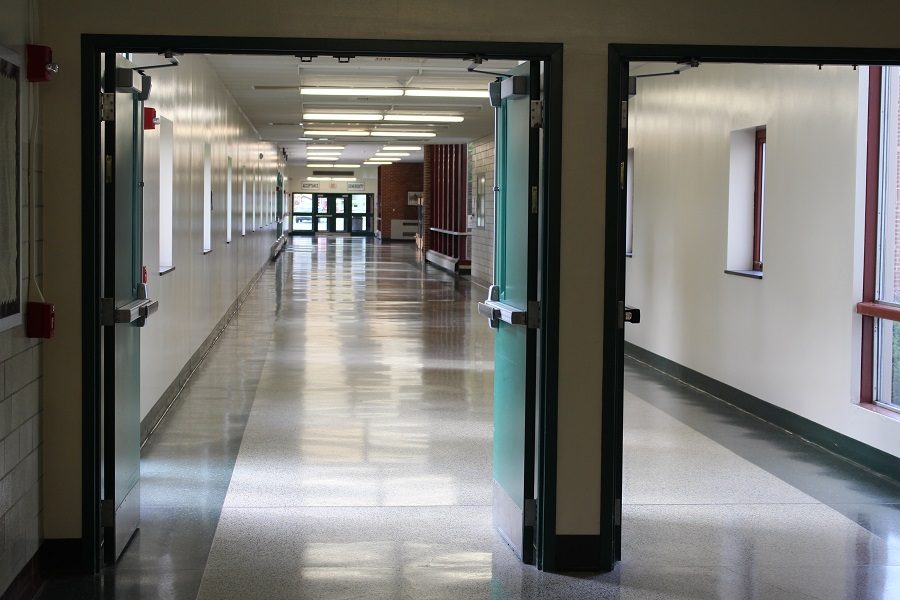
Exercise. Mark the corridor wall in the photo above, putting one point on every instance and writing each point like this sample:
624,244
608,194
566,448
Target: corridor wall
791,338
199,292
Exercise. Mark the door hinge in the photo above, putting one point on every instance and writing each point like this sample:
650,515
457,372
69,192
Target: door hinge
624,114
533,315
534,200
107,513
622,175
529,512
621,314
537,113
107,106
107,312
617,509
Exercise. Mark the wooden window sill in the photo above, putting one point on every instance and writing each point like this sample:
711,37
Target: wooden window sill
879,310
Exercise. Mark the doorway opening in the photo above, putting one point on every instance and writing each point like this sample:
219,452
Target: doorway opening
256,184
726,171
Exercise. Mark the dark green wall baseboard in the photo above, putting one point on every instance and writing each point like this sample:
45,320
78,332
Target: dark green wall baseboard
871,458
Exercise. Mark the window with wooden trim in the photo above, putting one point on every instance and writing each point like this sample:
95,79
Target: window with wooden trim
880,306
746,202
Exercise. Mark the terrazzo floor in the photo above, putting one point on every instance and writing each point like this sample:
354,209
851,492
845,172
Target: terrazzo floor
336,444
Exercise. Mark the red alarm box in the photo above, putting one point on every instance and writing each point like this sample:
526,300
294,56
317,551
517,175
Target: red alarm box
150,119
40,320
39,65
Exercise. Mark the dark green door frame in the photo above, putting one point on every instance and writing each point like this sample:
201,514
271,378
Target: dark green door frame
551,54
620,55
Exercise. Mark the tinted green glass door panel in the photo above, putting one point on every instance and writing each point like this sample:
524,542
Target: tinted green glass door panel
122,141
514,345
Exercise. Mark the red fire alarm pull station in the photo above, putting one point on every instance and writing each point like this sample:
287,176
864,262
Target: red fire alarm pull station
39,65
150,119
40,320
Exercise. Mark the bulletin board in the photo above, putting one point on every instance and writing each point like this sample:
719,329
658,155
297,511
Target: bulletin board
11,189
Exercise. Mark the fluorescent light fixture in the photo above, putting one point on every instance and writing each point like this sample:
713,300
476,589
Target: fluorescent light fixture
348,132
401,148
387,154
318,178
319,165
342,117
335,166
314,148
436,93
415,134
343,178
323,152
323,91
425,118
380,161
323,158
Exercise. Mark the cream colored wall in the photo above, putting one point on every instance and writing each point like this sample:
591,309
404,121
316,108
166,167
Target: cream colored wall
20,360
197,294
748,332
586,27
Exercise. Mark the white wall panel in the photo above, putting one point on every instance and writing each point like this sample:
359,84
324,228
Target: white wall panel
791,337
197,294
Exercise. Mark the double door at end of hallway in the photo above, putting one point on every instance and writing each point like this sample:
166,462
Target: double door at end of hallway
332,213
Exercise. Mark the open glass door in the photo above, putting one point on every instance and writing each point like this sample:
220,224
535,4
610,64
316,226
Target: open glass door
511,306
124,306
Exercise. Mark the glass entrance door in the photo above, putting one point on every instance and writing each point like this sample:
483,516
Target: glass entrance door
302,216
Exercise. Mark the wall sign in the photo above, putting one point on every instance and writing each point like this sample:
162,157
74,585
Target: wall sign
10,189
309,186
358,186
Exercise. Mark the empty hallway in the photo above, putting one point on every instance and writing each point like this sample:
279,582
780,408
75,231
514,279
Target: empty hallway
336,443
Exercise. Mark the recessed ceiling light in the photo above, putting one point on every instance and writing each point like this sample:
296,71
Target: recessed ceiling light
353,133
324,148
342,117
343,178
335,166
388,154
323,152
380,162
350,91
425,118
318,178
436,93
401,148
414,134
323,158
319,165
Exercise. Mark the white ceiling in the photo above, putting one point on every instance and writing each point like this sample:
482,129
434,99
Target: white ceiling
267,90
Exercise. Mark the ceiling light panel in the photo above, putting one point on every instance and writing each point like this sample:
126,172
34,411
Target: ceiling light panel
413,134
342,117
407,148
425,118
344,132
388,154
334,166
350,91
318,165
438,93
315,148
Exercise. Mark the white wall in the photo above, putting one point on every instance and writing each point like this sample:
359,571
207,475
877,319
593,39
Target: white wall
196,295
791,338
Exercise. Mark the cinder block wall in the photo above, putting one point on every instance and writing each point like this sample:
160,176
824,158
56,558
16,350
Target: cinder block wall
482,239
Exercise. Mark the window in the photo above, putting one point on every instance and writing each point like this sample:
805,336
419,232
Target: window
253,199
759,196
243,201
629,202
880,306
228,202
746,202
480,198
166,189
207,199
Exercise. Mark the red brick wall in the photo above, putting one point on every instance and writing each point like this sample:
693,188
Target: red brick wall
394,182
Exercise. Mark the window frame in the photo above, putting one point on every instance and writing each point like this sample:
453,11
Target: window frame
871,308
759,197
